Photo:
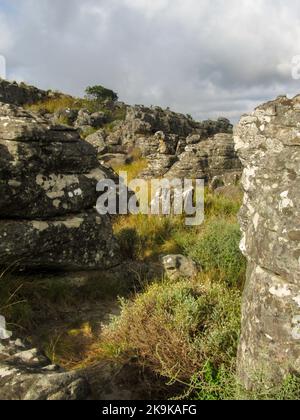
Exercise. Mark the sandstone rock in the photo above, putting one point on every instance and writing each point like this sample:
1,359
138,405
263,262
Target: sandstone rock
19,93
67,114
115,160
207,159
175,145
268,143
48,194
179,266
83,241
86,118
98,140
20,158
26,374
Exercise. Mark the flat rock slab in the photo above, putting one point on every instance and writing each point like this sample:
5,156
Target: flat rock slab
34,157
45,196
80,242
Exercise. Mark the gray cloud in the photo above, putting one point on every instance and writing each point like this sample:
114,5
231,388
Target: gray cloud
196,56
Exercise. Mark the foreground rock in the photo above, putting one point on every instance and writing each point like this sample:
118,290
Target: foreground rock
26,374
268,143
48,194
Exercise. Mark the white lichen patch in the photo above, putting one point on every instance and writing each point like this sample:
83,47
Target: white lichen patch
75,193
40,226
296,327
73,223
256,219
269,337
297,300
14,183
12,147
243,247
248,176
56,203
274,145
7,371
281,291
285,201
96,174
56,185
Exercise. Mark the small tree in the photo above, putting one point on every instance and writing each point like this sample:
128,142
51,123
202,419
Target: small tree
100,93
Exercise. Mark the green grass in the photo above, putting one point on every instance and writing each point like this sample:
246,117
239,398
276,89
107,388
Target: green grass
216,247
60,103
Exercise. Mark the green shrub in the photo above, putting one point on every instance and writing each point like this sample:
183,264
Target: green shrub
177,328
216,247
100,93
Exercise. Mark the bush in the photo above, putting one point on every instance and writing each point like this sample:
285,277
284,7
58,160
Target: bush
177,328
216,247
100,93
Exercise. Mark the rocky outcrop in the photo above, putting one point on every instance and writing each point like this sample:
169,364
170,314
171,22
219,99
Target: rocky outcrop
268,143
179,267
27,374
48,194
173,144
20,93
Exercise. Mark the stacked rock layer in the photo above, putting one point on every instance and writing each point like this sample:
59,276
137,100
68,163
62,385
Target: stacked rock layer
48,179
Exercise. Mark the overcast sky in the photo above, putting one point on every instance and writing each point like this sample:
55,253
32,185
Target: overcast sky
203,57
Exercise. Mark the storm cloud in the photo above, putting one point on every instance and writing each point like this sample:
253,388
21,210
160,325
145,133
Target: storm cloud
203,57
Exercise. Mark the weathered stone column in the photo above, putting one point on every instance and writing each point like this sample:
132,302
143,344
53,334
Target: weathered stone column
268,143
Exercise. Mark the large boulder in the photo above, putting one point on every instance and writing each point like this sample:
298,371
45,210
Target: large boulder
48,194
268,143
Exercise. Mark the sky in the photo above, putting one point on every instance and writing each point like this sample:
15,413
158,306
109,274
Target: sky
208,58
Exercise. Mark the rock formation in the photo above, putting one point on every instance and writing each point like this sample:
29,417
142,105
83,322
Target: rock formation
26,374
173,144
179,267
48,194
268,143
20,93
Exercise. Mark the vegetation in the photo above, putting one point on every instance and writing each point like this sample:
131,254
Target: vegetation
216,248
57,104
178,328
90,103
100,93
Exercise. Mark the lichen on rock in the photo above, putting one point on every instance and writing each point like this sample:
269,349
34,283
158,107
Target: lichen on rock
268,143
